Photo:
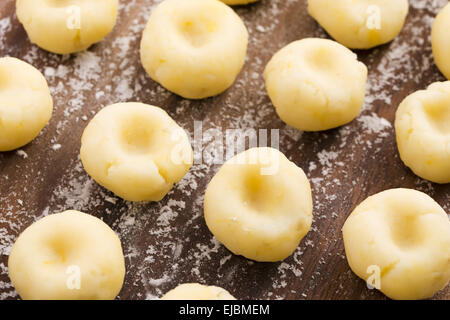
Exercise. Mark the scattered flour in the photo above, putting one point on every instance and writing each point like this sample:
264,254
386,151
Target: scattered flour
178,246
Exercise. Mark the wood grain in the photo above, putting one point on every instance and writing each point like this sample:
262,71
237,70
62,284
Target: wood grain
168,243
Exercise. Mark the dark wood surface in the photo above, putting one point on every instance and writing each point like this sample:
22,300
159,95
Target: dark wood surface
168,243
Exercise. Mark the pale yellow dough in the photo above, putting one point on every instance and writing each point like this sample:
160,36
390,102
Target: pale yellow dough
259,205
422,126
440,41
316,84
135,150
194,48
44,256
67,26
406,235
360,24
25,103
195,291
237,2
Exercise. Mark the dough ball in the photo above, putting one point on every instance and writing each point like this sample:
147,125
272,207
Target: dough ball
316,84
405,236
237,2
422,126
25,103
67,26
259,205
440,41
360,24
195,291
69,255
194,48
135,150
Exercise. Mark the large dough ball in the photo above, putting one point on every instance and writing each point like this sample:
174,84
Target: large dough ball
25,103
195,291
360,24
194,48
401,236
422,126
70,255
259,205
440,41
135,150
67,26
316,84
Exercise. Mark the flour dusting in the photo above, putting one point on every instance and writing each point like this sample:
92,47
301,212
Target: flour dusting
168,242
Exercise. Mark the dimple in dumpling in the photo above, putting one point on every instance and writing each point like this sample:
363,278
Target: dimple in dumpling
67,256
194,48
316,84
136,151
69,26
25,103
399,240
422,126
259,205
360,24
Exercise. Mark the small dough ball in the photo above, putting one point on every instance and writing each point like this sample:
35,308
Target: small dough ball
405,235
360,24
195,291
194,48
440,41
26,105
259,205
422,126
316,84
237,2
67,256
69,26
135,150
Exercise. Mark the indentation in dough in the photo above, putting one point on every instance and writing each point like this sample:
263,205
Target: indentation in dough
197,31
137,135
406,230
259,193
438,113
322,59
59,250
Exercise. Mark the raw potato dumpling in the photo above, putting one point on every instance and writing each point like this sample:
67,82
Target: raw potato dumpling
422,126
259,205
401,237
360,24
26,105
194,48
440,41
316,84
195,291
67,256
236,2
67,26
135,150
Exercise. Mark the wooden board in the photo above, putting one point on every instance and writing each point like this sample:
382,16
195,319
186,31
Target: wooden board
168,243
